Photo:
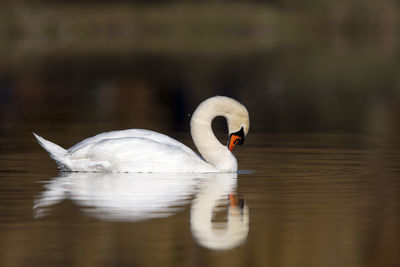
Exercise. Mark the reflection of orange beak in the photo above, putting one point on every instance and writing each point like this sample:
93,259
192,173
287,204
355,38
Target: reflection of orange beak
233,141
233,200
236,205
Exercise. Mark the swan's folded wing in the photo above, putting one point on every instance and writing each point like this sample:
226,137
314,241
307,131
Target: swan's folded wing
85,145
133,154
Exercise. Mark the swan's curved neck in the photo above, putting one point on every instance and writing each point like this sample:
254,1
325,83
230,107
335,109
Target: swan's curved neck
206,142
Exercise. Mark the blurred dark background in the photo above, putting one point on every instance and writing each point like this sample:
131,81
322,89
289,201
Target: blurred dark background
299,66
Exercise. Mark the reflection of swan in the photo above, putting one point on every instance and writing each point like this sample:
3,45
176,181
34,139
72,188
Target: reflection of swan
141,196
119,197
219,235
139,150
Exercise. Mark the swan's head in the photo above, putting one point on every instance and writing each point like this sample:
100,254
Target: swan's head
236,116
238,124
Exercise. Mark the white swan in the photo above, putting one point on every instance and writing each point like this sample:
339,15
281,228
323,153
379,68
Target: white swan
138,150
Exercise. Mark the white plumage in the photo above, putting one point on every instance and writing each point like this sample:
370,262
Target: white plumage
139,150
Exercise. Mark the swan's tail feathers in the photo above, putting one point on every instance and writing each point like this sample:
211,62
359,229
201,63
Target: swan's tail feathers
56,152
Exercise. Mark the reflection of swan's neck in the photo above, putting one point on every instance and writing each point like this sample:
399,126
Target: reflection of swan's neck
204,139
218,235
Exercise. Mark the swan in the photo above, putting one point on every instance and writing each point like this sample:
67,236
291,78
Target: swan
139,150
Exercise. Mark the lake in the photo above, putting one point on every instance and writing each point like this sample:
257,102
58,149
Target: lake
298,199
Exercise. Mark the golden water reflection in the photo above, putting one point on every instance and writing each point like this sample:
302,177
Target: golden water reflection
143,196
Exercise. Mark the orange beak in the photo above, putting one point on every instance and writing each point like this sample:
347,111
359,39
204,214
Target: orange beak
233,141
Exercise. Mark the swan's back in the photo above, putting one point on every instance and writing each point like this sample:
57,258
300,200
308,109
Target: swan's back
86,144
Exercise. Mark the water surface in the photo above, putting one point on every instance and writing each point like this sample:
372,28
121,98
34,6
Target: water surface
309,200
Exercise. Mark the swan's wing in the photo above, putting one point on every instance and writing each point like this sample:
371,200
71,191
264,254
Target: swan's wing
85,145
134,154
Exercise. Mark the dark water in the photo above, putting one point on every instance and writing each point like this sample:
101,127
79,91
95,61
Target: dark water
309,200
